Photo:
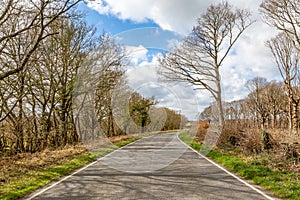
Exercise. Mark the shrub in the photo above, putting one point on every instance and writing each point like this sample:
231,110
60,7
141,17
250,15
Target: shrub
267,141
202,130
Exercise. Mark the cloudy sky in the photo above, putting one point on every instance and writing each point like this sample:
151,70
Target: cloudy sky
149,27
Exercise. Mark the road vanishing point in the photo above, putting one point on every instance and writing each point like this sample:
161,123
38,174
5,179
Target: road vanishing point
156,167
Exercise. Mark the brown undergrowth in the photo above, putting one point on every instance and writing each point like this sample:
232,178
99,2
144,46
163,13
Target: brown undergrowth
14,167
275,148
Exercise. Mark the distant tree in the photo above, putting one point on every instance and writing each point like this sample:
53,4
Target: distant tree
256,101
275,99
139,109
209,113
235,110
174,120
198,59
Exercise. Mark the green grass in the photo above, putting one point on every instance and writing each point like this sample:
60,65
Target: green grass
283,184
37,178
125,142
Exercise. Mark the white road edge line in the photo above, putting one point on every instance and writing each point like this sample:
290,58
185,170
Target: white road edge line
77,171
59,181
228,172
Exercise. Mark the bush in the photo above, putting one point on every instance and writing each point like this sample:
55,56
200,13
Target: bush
291,152
267,141
231,135
201,130
251,142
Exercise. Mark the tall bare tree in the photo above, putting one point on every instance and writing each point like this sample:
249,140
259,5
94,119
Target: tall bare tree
198,59
104,102
287,59
285,16
94,88
23,26
54,75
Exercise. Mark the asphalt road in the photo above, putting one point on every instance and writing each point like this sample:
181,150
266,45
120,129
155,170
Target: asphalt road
156,167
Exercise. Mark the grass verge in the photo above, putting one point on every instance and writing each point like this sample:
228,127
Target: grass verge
283,184
29,172
33,179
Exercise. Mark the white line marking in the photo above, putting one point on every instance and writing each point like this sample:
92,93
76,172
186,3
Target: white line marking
228,172
77,171
57,182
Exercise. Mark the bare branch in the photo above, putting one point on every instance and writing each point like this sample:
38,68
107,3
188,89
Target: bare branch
285,16
198,59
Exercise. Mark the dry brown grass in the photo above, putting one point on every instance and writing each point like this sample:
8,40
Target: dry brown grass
13,167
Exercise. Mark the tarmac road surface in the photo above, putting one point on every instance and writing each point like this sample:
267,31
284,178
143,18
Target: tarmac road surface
156,167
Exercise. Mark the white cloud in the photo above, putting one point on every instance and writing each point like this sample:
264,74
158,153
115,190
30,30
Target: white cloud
175,15
136,54
99,6
143,79
251,57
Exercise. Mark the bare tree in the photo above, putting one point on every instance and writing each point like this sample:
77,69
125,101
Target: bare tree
285,16
198,59
275,100
111,62
59,57
104,102
256,101
95,83
37,96
24,18
287,59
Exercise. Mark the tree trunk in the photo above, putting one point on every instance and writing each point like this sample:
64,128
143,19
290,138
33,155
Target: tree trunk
290,116
219,100
64,117
295,120
111,122
273,122
20,127
263,121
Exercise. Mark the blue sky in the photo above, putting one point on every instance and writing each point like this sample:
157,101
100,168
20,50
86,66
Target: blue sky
150,40
149,27
146,33
110,23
